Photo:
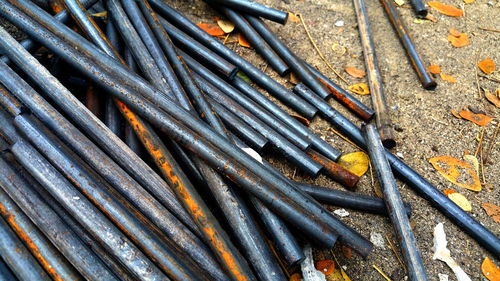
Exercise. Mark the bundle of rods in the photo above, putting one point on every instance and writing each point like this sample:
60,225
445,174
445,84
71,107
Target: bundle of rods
142,159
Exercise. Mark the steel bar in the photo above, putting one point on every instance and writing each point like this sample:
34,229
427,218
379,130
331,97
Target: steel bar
346,199
148,178
256,41
263,108
238,127
17,256
112,117
419,8
342,96
65,240
171,127
259,77
418,64
256,9
397,212
291,60
6,273
54,263
334,170
382,117
157,246
92,101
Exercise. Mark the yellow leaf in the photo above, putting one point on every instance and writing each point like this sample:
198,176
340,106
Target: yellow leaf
457,171
472,160
226,25
490,270
399,2
447,78
293,18
356,162
461,201
468,1
335,276
420,21
359,88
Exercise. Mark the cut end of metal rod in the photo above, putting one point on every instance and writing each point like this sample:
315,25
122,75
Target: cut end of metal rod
389,143
422,13
429,85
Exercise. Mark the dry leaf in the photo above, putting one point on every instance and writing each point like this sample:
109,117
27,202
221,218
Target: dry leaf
420,21
296,277
492,210
336,275
434,69
494,99
355,72
461,201
293,18
431,18
457,171
359,88
490,270
459,41
293,79
487,66
472,160
446,9
242,40
325,266
212,29
226,25
468,1
448,191
399,2
455,32
479,119
338,49
447,78
346,251
301,119
356,162
455,114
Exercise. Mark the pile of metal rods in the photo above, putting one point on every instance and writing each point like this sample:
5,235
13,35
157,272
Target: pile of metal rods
154,170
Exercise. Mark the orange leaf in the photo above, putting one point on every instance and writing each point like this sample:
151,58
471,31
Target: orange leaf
360,88
487,66
479,119
455,114
346,251
212,29
457,171
446,9
490,270
455,32
293,18
492,98
449,191
295,277
434,69
492,210
459,41
447,78
242,40
301,119
325,266
355,72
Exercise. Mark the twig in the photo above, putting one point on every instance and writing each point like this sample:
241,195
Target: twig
492,143
489,29
381,273
477,79
395,253
278,258
338,264
494,79
346,139
317,49
480,141
225,39
482,164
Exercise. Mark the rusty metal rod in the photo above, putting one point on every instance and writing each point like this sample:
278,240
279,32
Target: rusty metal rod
256,9
418,64
259,77
395,207
334,170
382,117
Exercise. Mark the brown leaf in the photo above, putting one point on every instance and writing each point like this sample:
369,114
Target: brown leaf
346,251
492,98
325,266
459,41
479,119
490,270
447,78
492,210
359,88
355,72
293,18
457,171
296,277
226,25
487,66
431,18
293,79
446,9
434,69
301,119
212,29
455,32
242,40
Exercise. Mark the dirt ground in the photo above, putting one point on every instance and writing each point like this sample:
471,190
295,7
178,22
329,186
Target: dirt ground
425,126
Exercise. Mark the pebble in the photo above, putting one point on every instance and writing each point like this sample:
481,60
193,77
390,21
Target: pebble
341,213
339,23
442,277
377,239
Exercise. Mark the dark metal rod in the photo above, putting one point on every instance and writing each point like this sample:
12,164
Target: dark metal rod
17,256
419,8
6,273
257,42
334,170
263,108
158,247
346,199
397,212
342,96
259,77
65,240
284,52
418,64
256,9
382,117
112,117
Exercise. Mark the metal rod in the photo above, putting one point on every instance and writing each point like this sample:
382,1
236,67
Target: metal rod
112,117
259,77
334,170
131,138
65,240
257,42
419,8
382,117
6,273
284,52
418,64
343,97
346,199
256,9
397,212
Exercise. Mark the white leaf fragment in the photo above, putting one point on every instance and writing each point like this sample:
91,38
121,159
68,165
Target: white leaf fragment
309,272
341,213
252,153
443,254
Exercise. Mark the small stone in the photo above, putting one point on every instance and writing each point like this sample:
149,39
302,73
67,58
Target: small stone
377,239
341,213
400,155
442,277
339,23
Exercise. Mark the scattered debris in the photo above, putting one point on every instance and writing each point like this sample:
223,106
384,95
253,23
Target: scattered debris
447,78
293,18
381,272
359,88
457,171
356,162
212,29
490,270
442,277
487,66
458,39
434,69
492,210
446,9
341,213
472,160
479,119
458,199
493,98
346,251
355,72
301,119
339,23
377,239
243,41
